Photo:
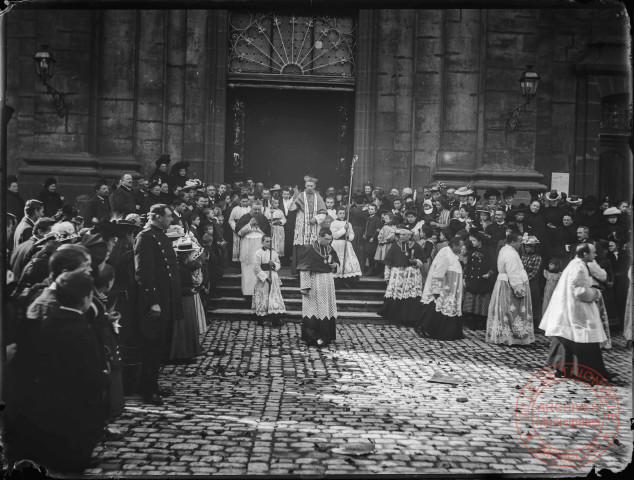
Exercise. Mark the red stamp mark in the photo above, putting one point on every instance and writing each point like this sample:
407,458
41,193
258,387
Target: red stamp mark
567,421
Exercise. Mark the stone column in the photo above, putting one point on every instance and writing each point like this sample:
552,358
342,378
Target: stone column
196,81
150,88
365,101
428,81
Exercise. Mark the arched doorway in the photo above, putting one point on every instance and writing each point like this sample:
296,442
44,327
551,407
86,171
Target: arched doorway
290,101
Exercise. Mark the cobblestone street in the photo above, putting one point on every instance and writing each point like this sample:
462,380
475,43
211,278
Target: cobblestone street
259,402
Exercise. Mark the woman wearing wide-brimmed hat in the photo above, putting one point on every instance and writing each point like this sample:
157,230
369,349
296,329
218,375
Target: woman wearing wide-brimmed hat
160,174
179,177
185,344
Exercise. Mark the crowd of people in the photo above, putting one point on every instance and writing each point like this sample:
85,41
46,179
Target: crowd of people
128,282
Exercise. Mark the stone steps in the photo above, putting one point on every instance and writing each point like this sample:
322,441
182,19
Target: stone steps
358,303
295,303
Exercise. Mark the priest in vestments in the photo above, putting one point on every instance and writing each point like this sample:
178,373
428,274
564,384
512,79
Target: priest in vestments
442,296
317,286
573,318
510,319
310,213
250,229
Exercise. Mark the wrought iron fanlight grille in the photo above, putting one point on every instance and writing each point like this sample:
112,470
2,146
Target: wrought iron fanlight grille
616,117
289,44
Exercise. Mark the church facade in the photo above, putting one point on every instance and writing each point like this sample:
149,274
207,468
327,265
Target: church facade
418,95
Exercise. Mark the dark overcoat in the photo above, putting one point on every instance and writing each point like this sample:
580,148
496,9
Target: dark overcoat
156,272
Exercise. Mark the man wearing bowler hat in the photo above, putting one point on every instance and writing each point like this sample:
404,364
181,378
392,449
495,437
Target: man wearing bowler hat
159,303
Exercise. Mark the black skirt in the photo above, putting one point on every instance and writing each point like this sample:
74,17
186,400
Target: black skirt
401,312
314,329
435,325
577,355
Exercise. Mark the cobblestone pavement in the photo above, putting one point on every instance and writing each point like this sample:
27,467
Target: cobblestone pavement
259,401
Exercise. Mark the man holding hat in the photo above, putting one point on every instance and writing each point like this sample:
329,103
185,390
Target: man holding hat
310,213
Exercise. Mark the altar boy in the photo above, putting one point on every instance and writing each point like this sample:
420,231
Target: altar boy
267,293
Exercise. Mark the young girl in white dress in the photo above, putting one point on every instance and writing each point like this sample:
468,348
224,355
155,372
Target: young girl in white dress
343,235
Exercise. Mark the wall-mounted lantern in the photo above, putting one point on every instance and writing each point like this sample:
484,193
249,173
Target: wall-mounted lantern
45,69
528,85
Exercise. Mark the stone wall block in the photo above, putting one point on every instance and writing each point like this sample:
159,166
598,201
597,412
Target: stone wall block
461,102
427,119
149,130
48,123
502,49
114,146
151,108
386,104
403,141
175,114
77,124
428,54
503,79
459,141
117,67
520,21
427,142
495,139
25,124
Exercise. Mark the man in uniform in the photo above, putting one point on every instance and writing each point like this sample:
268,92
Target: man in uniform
160,303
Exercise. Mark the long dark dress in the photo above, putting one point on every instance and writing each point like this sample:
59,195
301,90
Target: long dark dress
477,291
185,343
401,304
